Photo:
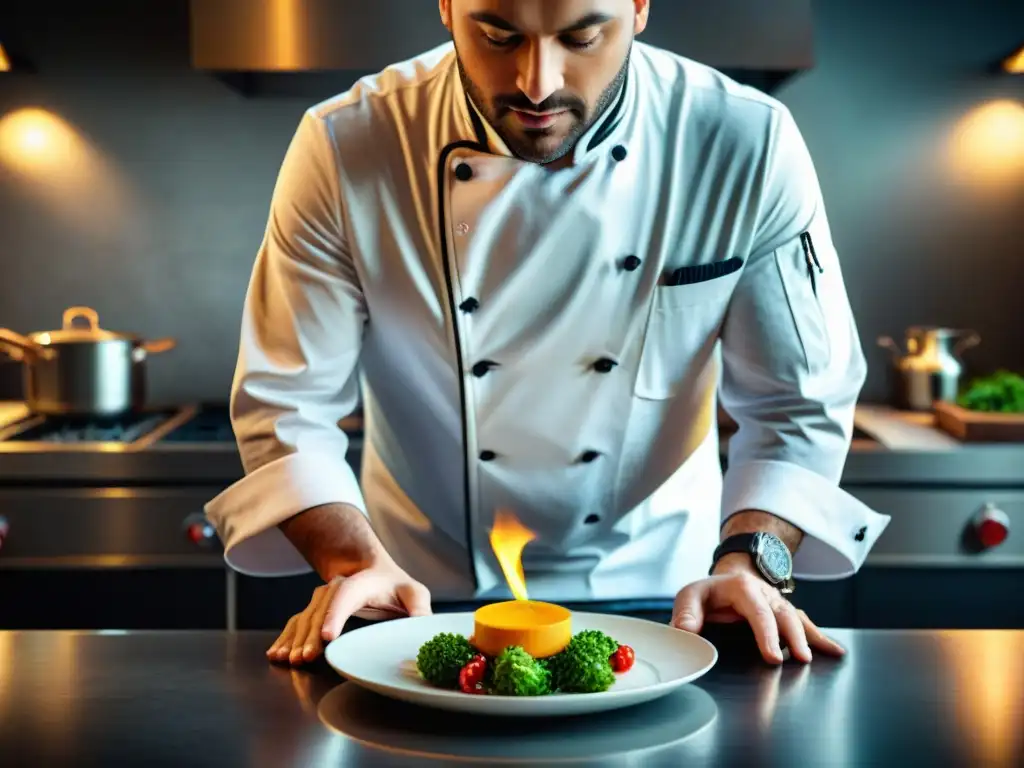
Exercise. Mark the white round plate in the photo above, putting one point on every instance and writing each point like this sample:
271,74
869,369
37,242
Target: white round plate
382,658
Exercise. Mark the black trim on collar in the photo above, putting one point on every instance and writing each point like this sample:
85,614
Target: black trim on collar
612,119
454,314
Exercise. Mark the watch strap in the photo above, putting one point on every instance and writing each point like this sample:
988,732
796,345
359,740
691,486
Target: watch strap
739,542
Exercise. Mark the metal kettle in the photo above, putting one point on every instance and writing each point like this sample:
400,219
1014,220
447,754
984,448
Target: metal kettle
931,368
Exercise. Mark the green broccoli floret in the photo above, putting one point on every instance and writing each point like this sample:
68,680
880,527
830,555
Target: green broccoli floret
594,641
517,673
584,666
441,658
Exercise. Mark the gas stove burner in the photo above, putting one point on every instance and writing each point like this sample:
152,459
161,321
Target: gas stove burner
212,424
123,429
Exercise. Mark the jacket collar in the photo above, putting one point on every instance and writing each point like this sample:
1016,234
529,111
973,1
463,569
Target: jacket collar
607,132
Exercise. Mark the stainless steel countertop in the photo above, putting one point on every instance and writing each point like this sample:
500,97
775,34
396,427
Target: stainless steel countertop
210,698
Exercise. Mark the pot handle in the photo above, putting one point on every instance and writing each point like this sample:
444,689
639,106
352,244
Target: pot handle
970,339
17,346
86,313
154,347
887,342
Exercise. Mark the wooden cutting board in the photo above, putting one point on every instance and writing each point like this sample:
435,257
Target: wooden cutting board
978,426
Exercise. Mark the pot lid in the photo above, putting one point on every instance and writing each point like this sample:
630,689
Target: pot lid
80,324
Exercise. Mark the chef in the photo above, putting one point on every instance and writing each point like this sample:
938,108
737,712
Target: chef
540,257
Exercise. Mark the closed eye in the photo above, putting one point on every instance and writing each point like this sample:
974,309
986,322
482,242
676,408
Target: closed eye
578,44
501,42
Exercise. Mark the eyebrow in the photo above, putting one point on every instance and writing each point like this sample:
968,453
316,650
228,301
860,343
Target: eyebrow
590,20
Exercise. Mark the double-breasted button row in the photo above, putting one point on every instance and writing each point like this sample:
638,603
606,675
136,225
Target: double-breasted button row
483,367
472,304
587,457
464,172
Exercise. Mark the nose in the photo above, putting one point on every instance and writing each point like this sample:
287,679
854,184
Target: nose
540,72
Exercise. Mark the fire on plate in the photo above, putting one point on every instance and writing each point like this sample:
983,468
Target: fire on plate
542,629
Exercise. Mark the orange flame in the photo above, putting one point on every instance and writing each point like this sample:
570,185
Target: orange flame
508,539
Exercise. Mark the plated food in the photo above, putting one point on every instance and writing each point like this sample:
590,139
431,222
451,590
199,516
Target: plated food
523,648
384,657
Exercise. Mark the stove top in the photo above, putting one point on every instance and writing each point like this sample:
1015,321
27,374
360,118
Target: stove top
126,429
206,424
209,424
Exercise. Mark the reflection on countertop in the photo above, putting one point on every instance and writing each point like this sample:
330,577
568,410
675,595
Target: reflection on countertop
938,698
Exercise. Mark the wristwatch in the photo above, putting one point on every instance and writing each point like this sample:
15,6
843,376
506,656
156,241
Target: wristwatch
770,555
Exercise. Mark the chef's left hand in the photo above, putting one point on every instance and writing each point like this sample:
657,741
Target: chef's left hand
735,592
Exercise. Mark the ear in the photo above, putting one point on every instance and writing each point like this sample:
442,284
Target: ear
641,15
445,7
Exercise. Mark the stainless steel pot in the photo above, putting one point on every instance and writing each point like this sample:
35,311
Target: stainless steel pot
82,370
931,368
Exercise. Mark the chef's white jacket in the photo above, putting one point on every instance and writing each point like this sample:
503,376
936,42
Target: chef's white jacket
520,346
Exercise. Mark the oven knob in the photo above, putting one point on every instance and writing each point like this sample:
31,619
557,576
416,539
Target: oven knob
200,531
992,526
5,527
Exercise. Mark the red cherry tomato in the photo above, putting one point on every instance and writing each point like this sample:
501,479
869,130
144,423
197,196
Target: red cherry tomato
471,677
622,660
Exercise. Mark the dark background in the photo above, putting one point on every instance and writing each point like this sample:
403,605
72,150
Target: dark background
158,233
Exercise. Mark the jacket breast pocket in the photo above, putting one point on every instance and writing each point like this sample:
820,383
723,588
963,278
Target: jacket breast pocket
681,333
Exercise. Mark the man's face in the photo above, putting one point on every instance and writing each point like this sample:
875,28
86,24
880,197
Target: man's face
543,71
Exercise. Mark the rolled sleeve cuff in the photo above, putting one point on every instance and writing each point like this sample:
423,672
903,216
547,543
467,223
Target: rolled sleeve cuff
246,514
839,530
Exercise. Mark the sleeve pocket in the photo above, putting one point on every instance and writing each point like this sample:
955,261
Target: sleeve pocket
803,288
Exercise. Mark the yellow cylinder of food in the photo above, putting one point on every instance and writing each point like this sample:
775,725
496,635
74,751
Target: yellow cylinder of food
542,629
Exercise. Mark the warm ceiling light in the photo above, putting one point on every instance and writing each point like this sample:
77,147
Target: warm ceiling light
5,61
1015,64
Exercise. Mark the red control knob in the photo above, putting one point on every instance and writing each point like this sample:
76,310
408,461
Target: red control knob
200,533
992,526
5,527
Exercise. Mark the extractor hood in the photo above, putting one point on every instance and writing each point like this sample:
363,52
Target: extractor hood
756,41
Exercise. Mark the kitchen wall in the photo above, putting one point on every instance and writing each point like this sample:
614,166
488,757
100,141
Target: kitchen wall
151,200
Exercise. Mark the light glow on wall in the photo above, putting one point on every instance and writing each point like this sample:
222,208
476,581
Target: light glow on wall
55,164
1015,64
987,145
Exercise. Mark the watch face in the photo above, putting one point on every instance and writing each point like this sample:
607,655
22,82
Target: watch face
774,558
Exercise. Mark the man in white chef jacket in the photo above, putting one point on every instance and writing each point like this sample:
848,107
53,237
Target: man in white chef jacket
548,250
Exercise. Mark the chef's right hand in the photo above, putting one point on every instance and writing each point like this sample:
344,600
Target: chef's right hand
383,590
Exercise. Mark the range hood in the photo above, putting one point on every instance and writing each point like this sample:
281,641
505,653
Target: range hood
757,42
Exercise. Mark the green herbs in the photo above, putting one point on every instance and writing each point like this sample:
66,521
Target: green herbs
441,658
1002,392
588,664
517,673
